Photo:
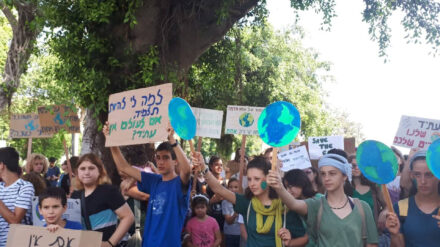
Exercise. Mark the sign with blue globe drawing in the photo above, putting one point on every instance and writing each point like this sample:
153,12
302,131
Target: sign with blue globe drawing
377,162
433,158
279,124
182,118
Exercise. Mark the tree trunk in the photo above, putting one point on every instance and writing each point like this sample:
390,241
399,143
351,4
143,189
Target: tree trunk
23,40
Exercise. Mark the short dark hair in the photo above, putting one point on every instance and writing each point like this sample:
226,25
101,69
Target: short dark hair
338,151
263,164
74,163
199,200
52,159
298,178
9,156
231,180
166,146
53,192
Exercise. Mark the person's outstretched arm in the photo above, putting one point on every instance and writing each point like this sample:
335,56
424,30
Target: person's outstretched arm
274,181
120,161
212,182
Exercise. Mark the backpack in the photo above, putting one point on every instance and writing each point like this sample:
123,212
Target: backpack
358,204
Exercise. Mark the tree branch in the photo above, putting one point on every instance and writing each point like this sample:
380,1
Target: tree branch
8,13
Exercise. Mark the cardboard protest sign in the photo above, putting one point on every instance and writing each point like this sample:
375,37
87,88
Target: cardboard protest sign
415,132
73,212
56,117
319,146
32,236
296,158
242,120
139,116
26,126
209,122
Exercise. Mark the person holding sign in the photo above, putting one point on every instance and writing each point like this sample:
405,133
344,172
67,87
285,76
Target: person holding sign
335,209
101,203
52,204
169,192
416,221
267,221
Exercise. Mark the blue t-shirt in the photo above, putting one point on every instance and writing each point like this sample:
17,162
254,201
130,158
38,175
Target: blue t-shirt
72,225
418,228
166,211
53,171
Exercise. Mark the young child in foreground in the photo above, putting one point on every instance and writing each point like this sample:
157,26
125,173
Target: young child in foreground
204,229
52,205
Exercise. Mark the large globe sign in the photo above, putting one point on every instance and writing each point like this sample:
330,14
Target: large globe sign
377,162
182,118
279,124
246,119
433,158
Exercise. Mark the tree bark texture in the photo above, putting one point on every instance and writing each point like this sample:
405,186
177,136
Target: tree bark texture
182,30
22,43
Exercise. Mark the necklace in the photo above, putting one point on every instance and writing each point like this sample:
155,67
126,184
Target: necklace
343,206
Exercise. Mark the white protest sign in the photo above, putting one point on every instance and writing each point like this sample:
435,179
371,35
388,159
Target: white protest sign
415,132
209,122
242,120
33,236
296,158
139,116
319,146
73,212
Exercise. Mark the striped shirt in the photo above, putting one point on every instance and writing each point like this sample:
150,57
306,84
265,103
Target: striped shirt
19,194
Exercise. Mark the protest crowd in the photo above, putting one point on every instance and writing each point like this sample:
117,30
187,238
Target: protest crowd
182,199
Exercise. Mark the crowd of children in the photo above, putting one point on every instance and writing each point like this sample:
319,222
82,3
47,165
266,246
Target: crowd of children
189,203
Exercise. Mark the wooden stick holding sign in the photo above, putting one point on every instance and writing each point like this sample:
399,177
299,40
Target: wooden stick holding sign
69,166
29,151
278,125
199,144
241,165
378,164
275,159
386,195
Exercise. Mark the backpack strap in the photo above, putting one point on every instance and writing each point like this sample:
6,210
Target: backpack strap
358,204
318,218
247,213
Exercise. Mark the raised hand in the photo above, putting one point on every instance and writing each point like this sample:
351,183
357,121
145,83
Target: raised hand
392,223
198,161
274,180
284,235
105,130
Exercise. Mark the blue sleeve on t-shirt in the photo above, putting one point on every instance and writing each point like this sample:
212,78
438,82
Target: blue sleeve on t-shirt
73,225
148,180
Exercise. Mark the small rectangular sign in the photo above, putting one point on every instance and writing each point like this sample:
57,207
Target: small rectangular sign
209,122
296,158
242,120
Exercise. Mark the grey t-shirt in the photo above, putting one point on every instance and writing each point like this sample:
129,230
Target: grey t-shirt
233,229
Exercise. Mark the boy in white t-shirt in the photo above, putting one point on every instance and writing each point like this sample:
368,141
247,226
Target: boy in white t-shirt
15,194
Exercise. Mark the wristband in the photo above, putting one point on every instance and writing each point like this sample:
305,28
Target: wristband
175,144
108,241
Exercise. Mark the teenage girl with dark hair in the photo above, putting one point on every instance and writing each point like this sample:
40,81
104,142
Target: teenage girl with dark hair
264,214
